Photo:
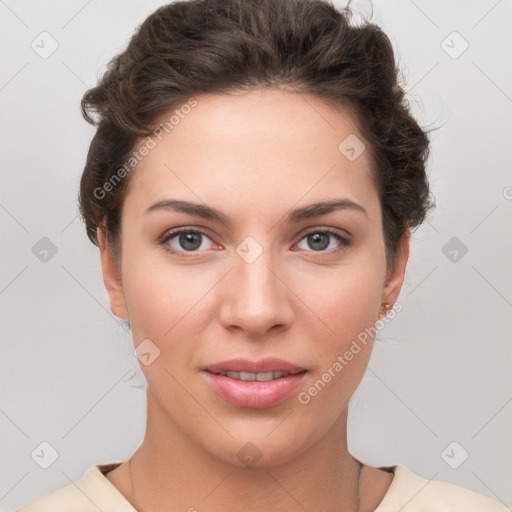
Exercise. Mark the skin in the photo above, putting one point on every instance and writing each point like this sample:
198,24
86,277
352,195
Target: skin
255,156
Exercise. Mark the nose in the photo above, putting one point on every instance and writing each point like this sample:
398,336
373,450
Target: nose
256,297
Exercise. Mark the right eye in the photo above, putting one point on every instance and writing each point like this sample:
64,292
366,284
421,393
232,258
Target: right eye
182,241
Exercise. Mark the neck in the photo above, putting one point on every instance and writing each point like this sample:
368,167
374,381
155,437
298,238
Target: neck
170,470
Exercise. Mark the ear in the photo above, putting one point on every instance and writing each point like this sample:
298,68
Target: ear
112,276
395,280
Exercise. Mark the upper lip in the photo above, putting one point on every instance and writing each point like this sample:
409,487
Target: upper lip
270,364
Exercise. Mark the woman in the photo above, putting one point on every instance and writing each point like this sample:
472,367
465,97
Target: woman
252,186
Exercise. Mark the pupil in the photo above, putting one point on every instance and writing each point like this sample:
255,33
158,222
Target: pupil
316,238
194,239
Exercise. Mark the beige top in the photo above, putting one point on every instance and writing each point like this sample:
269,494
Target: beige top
408,492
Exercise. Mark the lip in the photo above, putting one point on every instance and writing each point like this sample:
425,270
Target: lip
269,364
254,394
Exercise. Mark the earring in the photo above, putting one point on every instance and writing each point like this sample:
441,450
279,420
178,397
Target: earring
386,306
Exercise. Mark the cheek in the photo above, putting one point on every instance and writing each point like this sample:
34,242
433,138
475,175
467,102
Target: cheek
161,303
166,302
344,301
345,309
150,293
156,304
343,352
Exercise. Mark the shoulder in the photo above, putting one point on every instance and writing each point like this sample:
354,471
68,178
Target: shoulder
60,500
90,493
409,492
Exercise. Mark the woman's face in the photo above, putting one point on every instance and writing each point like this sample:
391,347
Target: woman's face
272,277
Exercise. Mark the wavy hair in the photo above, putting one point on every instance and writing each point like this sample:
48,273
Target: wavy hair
190,47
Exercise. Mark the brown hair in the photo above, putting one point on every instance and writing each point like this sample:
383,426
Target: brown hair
191,47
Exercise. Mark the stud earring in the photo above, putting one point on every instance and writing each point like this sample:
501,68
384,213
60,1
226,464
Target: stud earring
387,307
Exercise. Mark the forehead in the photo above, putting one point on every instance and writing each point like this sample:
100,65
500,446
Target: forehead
262,147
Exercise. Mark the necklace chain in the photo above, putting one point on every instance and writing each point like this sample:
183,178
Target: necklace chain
360,466
131,483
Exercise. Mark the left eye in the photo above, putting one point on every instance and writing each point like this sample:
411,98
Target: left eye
321,240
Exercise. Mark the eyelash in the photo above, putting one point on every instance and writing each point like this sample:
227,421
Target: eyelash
345,242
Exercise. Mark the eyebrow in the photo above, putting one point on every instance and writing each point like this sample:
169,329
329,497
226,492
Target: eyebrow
297,215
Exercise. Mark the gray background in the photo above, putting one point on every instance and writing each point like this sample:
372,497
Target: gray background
440,372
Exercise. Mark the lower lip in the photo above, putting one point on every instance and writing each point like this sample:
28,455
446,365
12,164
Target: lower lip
255,394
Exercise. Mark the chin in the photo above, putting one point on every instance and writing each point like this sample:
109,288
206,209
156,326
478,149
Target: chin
256,448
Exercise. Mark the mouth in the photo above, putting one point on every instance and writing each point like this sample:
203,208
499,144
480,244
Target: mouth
254,384
260,377
263,367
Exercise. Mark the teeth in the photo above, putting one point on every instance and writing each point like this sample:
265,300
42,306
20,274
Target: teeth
250,377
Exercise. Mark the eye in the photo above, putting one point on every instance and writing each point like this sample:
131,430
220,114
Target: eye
192,240
320,240
186,240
